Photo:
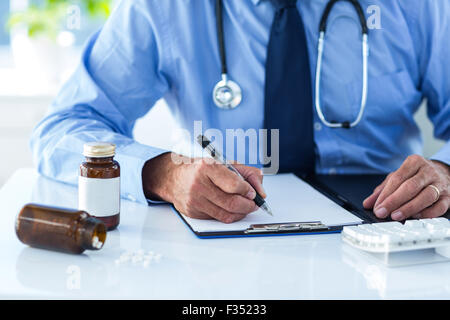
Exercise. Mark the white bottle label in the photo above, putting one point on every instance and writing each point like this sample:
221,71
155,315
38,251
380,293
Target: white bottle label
99,197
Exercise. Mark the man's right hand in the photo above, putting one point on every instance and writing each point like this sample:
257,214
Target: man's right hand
202,188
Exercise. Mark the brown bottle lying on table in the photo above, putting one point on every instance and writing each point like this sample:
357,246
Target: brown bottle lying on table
59,229
99,183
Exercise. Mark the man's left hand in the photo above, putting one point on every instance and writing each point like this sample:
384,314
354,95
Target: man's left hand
420,188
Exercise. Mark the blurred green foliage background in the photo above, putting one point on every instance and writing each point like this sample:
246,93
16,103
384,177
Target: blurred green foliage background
47,17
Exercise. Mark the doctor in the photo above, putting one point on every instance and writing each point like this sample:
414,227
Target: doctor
345,108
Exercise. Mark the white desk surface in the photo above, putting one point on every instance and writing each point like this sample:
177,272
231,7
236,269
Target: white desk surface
290,267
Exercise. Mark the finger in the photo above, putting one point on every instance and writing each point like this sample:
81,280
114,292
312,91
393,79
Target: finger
254,176
407,191
408,169
230,182
423,200
219,213
369,202
436,210
233,203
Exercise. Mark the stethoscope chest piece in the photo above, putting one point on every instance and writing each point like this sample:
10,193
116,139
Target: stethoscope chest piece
227,94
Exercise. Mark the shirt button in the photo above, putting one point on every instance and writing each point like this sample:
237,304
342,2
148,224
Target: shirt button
332,171
317,126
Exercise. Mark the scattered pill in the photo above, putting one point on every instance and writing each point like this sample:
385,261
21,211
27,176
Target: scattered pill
138,257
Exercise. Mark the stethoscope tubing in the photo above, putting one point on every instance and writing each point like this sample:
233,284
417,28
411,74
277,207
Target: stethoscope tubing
220,38
365,56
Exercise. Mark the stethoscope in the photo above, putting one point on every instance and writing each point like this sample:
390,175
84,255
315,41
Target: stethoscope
228,95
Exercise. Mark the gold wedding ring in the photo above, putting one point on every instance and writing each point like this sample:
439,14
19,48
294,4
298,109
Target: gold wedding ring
438,193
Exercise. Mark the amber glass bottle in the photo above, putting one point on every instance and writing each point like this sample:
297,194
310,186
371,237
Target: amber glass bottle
59,229
99,183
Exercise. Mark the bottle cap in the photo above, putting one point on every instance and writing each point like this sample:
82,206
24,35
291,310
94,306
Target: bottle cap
99,149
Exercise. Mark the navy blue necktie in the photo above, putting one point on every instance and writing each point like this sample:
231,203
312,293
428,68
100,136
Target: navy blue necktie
288,98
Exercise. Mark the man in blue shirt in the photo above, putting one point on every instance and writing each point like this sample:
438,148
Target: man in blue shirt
153,49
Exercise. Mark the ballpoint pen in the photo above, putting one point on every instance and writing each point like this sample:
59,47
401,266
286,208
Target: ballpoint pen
207,145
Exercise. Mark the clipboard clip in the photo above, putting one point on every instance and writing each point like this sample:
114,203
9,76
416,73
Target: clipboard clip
284,227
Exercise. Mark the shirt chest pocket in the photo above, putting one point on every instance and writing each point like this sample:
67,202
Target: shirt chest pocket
392,99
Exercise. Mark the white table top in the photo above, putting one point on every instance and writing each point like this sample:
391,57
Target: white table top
290,267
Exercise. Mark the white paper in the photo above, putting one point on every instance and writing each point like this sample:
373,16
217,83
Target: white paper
291,200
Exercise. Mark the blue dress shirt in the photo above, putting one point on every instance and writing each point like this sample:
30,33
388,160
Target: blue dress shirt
152,49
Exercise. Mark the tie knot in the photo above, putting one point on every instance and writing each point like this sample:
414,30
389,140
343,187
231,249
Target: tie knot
282,4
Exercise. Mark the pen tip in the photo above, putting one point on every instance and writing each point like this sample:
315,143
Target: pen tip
268,210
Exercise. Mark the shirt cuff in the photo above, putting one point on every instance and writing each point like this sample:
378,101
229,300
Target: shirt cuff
132,159
443,155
